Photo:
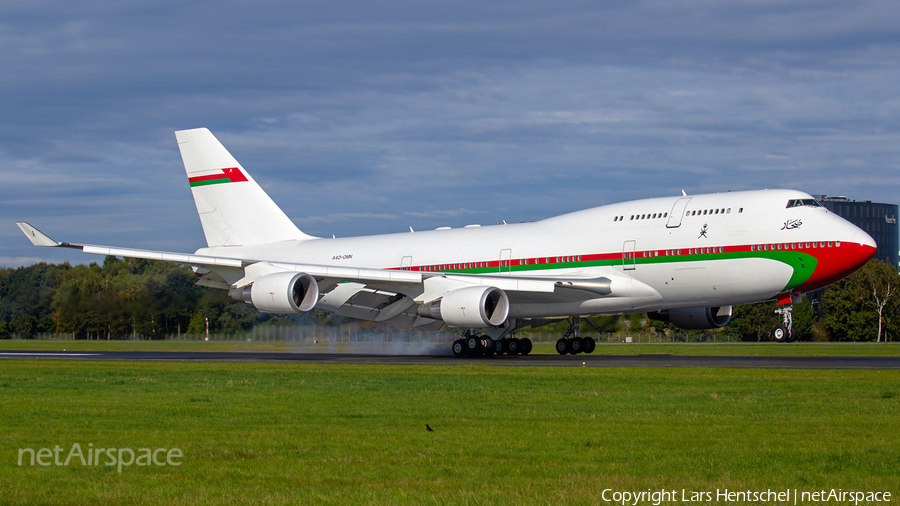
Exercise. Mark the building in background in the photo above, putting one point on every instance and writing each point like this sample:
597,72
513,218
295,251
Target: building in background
879,220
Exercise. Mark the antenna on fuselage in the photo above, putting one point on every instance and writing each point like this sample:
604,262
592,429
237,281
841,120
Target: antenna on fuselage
683,194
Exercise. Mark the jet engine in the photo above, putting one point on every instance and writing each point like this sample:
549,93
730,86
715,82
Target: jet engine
694,317
284,292
470,307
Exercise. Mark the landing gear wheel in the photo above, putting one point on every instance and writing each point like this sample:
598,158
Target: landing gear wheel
473,346
784,333
781,334
526,346
589,345
513,346
500,346
459,348
576,345
562,346
792,336
487,345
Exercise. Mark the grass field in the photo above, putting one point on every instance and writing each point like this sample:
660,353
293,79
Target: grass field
731,349
293,433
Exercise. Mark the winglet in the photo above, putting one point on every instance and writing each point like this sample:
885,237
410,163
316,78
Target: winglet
37,237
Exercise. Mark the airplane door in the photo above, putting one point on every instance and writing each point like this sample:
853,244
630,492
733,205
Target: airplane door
677,212
505,256
405,263
628,255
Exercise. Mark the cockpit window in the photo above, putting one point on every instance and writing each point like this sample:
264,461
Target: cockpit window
803,202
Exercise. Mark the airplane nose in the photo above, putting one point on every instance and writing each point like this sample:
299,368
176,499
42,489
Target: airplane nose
833,264
864,239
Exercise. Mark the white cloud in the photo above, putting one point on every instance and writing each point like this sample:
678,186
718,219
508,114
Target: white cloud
381,116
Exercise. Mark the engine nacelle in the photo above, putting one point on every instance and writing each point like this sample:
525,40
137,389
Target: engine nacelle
285,292
470,307
695,317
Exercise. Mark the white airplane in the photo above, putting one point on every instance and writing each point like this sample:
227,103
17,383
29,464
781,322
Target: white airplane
684,259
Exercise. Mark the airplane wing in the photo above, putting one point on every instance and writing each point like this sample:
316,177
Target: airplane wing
382,295
39,238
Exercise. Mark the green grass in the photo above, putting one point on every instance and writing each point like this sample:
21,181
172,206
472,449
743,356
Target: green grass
743,349
293,433
731,349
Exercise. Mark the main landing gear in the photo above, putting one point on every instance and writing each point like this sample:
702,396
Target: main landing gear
784,333
571,344
472,345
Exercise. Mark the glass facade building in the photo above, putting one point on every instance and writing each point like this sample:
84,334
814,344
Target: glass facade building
878,220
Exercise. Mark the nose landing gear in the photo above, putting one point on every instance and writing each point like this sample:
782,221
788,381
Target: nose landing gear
784,333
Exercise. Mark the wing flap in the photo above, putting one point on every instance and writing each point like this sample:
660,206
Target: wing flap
329,272
178,258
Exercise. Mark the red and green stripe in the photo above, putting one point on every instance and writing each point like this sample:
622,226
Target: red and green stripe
229,175
813,268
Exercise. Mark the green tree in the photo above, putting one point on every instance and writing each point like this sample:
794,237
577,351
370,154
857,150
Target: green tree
197,324
804,319
754,322
863,306
882,281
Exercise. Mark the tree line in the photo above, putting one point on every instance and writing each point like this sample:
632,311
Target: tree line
133,297
122,298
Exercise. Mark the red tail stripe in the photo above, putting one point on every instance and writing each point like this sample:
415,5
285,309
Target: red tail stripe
233,174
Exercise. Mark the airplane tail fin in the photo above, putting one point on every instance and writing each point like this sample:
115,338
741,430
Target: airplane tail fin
234,210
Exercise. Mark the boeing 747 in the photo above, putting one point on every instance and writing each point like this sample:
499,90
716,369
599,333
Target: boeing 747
685,259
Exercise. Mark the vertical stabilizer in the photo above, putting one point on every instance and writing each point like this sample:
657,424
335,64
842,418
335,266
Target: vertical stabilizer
234,210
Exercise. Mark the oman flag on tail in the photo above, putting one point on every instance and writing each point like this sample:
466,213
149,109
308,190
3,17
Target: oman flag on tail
232,175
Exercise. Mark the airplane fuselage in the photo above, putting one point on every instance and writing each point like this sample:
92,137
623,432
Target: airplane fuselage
685,260
663,253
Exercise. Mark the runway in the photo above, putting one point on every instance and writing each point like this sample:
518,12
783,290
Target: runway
426,360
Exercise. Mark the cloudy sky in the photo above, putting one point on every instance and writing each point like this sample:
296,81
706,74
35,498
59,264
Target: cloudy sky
371,117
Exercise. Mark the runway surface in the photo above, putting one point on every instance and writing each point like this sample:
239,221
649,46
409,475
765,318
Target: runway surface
531,360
